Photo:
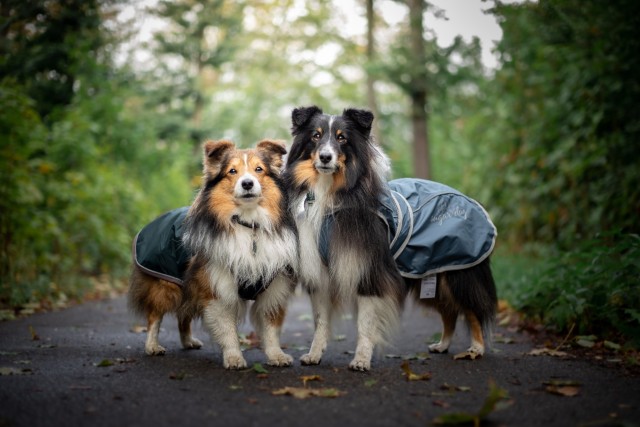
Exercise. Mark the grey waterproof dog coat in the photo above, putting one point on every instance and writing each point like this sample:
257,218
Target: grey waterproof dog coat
432,228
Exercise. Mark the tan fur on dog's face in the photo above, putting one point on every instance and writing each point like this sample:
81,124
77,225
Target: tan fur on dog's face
234,170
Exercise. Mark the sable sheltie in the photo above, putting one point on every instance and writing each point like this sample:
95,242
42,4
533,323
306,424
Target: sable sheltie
335,174
242,245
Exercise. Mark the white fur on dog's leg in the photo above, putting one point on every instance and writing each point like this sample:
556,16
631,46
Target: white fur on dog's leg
190,342
152,347
442,346
271,343
321,305
222,322
476,347
372,313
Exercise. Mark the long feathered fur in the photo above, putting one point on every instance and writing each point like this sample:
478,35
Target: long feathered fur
360,267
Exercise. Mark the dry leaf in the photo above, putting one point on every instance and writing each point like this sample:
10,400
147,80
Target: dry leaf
547,352
104,363
15,371
411,376
467,355
138,329
441,403
34,336
303,393
566,390
307,378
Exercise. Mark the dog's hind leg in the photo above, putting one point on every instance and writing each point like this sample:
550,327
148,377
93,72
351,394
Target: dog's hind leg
321,306
475,329
152,347
187,339
449,319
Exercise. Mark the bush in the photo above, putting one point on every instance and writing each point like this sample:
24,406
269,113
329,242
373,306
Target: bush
594,287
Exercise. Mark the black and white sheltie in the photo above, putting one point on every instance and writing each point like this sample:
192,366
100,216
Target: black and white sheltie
243,246
334,171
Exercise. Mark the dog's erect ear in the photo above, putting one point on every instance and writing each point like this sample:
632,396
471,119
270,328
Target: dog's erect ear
272,152
362,118
301,115
215,154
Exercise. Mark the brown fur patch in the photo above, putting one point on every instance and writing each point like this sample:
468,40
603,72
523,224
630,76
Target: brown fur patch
277,317
339,176
305,174
151,295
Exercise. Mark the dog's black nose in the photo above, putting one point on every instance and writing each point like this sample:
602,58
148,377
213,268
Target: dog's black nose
325,157
247,184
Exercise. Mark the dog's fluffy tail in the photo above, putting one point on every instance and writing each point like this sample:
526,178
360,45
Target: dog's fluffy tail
473,289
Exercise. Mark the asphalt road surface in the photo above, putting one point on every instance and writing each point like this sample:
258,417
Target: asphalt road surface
87,367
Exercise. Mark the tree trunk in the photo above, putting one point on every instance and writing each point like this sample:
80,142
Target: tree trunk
371,53
421,159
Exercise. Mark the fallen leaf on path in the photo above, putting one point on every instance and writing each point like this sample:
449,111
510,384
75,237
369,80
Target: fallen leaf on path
370,382
34,336
453,388
6,370
411,376
138,329
417,356
441,403
586,342
340,337
307,378
304,393
611,345
547,352
177,376
566,390
257,367
495,401
467,355
104,363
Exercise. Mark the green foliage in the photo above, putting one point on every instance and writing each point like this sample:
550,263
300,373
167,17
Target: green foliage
594,286
568,152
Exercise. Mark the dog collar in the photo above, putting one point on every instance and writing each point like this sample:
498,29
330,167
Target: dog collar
251,225
310,198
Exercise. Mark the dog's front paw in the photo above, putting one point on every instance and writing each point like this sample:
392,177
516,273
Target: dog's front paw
280,359
234,361
438,348
191,343
361,365
155,350
310,359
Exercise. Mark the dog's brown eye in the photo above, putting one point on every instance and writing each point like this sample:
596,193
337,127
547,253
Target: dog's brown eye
233,172
341,138
259,169
316,136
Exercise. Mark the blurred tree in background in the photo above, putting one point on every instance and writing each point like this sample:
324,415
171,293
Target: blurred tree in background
95,143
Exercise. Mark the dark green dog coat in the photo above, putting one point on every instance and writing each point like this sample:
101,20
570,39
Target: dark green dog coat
159,252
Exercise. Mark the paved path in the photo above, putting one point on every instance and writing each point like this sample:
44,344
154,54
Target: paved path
58,381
